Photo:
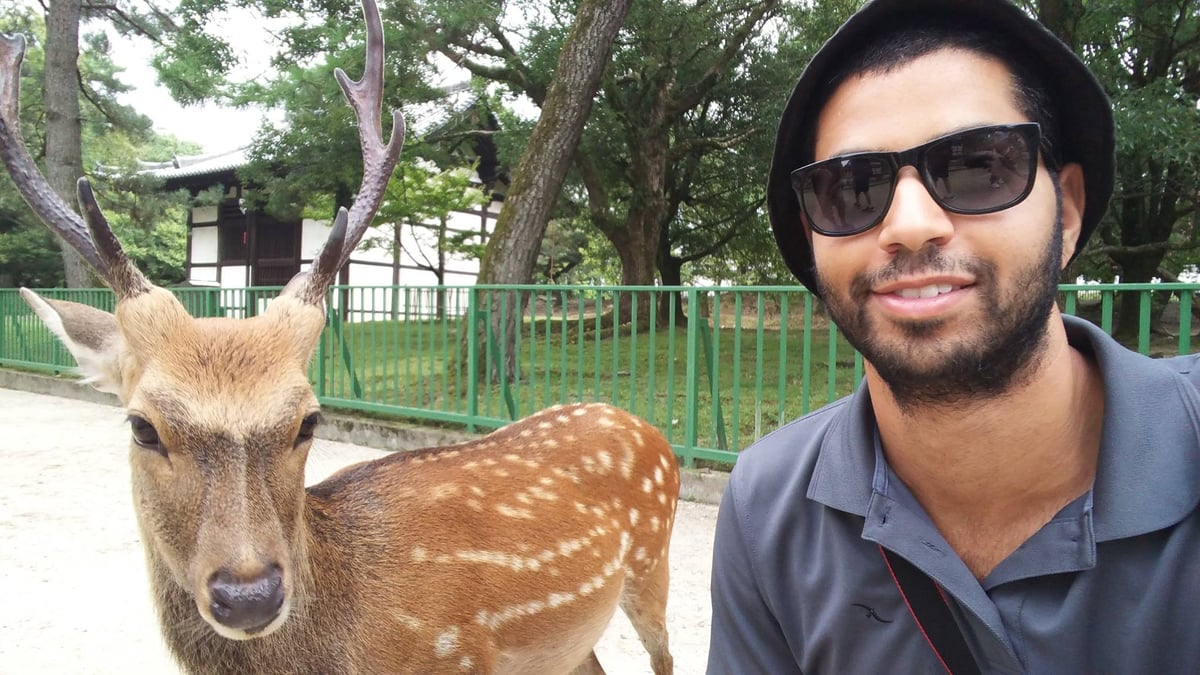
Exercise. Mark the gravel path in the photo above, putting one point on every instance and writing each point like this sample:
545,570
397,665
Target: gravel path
73,590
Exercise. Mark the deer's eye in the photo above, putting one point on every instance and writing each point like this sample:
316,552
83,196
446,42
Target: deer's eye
307,426
145,435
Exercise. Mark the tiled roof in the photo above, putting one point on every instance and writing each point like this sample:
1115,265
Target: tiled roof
196,165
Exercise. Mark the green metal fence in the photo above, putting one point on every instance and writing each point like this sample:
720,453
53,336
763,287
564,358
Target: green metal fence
713,368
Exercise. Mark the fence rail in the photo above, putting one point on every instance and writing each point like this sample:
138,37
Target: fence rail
713,367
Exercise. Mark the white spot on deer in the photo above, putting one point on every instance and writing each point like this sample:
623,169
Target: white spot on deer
490,462
606,421
510,457
638,439
419,554
446,643
466,664
524,498
662,498
658,475
606,460
475,504
569,474
526,433
544,495
647,486
580,411
589,464
549,444
581,507
502,473
471,465
566,548
633,516
597,511
654,524
449,454
445,491
506,510
591,586
562,419
408,621
515,563
626,459
545,425
664,462
640,554
477,491
559,599
546,480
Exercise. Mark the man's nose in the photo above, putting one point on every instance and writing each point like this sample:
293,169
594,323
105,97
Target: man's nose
913,219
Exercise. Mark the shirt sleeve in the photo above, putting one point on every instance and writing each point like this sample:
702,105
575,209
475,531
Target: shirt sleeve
746,639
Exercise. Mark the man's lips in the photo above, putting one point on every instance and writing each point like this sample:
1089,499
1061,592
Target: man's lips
921,298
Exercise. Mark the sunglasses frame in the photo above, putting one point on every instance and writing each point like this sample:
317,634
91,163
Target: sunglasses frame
915,157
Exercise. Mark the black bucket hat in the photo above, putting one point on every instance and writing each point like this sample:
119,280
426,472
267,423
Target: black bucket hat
1083,110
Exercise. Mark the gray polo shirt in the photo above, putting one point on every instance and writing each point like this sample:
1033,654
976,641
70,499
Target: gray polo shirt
1110,585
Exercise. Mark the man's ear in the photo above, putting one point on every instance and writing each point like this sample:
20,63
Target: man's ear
1070,183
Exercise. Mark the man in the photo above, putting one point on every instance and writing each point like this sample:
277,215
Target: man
1024,484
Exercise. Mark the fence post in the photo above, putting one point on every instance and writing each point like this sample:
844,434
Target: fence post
472,357
692,403
322,349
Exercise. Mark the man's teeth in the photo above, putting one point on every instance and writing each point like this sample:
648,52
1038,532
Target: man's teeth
929,291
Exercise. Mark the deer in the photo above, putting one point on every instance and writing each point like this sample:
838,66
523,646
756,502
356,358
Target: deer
504,554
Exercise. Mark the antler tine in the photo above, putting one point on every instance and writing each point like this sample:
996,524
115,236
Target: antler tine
34,188
379,160
124,277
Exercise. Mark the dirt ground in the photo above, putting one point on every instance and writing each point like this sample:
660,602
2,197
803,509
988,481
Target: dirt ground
73,591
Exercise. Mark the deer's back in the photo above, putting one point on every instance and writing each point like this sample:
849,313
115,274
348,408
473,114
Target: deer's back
517,544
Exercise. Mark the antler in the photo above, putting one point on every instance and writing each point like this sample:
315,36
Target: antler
379,160
93,240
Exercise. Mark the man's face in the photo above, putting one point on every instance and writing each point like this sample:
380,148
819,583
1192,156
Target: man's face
944,307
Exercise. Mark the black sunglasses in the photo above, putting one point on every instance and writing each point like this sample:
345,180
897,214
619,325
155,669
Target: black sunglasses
976,171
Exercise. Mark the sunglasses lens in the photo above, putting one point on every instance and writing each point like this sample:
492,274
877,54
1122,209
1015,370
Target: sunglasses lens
981,170
845,194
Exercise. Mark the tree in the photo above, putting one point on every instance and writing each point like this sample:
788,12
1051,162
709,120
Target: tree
1147,55
64,132
676,105
113,136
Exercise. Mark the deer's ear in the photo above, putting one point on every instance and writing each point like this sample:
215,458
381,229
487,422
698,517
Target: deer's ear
90,334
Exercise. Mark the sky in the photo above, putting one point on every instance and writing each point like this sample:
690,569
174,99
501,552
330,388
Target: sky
217,129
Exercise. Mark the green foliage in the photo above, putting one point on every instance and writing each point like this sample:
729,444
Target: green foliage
1147,55
422,197
150,225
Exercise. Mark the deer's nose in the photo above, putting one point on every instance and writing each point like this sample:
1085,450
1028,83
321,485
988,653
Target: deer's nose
246,604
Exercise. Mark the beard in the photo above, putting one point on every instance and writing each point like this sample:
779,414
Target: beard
921,369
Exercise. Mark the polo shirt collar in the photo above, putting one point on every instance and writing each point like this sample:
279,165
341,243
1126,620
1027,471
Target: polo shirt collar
1148,476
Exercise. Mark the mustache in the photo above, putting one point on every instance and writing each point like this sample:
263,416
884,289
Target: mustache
929,259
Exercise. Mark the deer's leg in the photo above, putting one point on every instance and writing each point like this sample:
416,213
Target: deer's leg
589,667
644,601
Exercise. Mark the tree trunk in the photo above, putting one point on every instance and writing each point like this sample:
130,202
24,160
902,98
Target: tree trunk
64,131
513,246
671,268
1146,216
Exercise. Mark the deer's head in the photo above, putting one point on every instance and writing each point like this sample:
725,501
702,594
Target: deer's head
221,411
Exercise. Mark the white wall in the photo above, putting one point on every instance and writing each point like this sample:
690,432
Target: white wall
204,244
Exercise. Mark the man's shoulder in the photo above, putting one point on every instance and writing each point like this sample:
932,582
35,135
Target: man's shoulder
785,458
1187,365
